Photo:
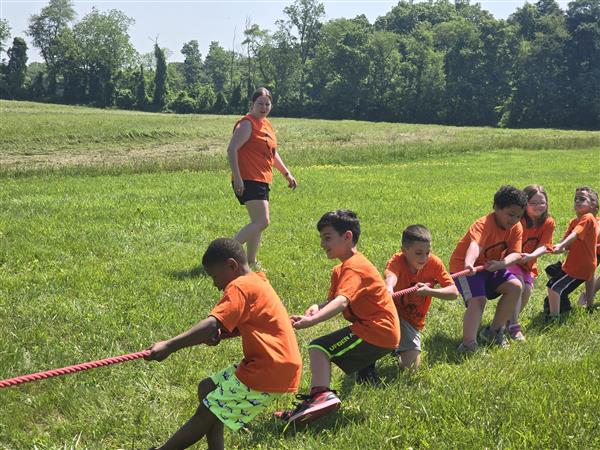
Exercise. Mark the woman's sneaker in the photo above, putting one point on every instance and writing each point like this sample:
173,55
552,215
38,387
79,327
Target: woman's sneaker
311,407
515,333
488,336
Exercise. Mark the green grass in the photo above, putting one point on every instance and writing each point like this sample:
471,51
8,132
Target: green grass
98,260
49,138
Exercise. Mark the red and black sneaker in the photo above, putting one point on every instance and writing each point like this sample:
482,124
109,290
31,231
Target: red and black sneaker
311,407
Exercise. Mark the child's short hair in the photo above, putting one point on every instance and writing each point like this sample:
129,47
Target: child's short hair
222,249
508,196
530,191
415,233
592,194
341,220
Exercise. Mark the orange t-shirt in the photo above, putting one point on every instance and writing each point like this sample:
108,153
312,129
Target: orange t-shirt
371,308
411,307
256,156
534,238
581,260
495,242
598,239
272,361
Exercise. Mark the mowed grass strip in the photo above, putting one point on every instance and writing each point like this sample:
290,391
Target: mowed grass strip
94,266
41,138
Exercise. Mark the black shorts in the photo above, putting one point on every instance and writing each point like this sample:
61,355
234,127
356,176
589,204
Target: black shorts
563,284
347,351
253,190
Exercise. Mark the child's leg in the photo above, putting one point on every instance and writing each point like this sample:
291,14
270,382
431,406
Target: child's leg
258,210
472,320
519,304
200,424
553,302
320,368
511,291
409,359
525,295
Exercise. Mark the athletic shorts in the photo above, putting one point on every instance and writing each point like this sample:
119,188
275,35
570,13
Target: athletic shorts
347,351
563,284
253,190
410,338
233,402
482,284
518,271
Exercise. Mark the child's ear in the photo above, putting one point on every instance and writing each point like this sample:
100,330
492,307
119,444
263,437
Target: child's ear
232,264
348,235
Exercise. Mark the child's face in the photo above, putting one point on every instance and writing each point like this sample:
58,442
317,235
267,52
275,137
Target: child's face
583,203
509,216
536,206
335,245
417,254
223,273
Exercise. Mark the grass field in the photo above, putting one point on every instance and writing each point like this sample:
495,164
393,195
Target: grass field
97,258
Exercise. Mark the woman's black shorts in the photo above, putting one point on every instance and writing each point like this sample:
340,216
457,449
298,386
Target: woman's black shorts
253,190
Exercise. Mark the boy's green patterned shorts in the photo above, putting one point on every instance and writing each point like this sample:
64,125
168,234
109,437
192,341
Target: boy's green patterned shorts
233,402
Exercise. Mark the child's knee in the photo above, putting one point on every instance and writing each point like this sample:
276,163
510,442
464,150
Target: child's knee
476,303
205,387
512,287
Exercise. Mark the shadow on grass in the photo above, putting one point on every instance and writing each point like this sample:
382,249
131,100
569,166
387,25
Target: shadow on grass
276,427
441,349
194,272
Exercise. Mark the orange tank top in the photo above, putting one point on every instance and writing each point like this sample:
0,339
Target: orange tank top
256,156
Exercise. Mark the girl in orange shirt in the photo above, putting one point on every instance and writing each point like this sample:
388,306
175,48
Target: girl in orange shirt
252,153
538,228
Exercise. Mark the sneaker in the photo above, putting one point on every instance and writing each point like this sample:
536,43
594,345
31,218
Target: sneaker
552,320
311,407
368,375
464,348
515,333
488,336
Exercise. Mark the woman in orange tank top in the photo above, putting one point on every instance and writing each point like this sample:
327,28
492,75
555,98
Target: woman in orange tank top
252,153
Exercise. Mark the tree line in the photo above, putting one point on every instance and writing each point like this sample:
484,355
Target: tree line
429,62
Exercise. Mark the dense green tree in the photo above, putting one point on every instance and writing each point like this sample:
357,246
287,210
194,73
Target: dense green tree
304,27
217,65
341,67
542,95
16,68
105,49
192,64
583,60
141,98
45,28
160,79
4,34
221,105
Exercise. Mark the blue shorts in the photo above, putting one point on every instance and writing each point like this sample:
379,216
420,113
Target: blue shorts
482,284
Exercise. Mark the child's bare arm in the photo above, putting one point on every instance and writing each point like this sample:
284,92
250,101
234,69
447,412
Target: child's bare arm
201,333
472,254
526,257
443,293
333,307
565,243
390,281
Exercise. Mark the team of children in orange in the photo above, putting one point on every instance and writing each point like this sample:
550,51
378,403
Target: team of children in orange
507,242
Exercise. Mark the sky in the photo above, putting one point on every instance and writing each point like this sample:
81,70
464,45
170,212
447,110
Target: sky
175,22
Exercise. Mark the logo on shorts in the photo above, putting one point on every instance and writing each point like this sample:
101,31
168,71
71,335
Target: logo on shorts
340,343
